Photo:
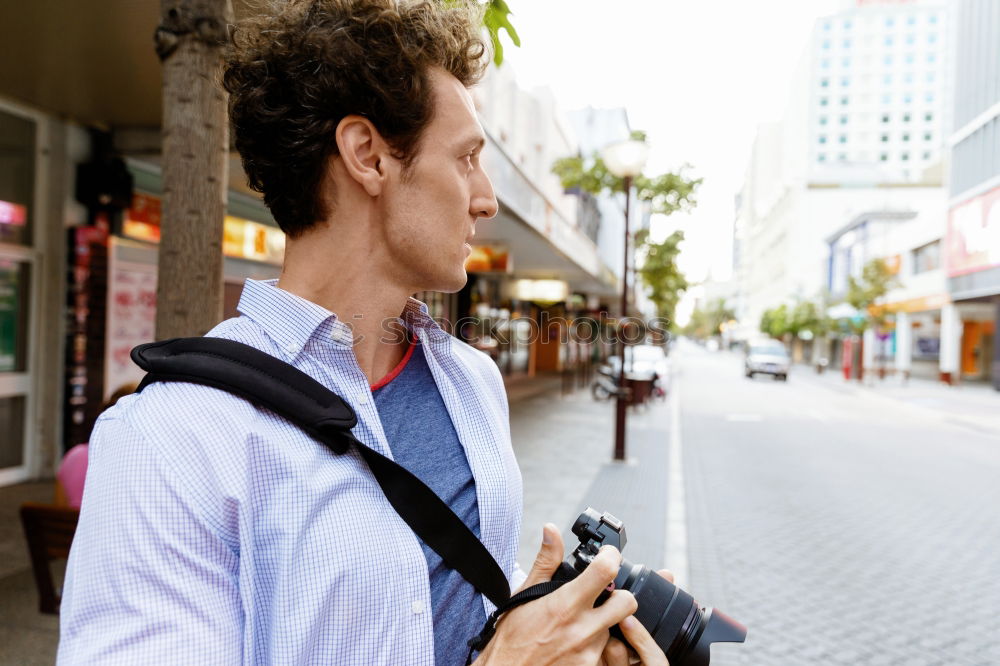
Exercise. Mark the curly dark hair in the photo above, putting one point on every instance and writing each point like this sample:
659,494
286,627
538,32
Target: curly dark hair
294,72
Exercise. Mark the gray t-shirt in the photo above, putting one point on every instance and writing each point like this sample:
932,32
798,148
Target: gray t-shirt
423,440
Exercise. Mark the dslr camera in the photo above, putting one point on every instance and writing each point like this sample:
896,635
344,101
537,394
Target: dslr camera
682,628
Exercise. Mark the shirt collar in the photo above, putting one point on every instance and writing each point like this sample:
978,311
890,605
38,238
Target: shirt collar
292,321
289,319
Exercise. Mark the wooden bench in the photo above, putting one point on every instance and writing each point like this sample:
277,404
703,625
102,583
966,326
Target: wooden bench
49,530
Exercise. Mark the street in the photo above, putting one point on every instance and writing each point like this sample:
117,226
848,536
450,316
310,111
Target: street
841,526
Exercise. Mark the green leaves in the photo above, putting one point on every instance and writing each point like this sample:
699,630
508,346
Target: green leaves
803,316
495,19
659,272
875,282
708,322
667,193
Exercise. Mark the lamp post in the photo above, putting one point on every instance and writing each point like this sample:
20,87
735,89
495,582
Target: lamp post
625,160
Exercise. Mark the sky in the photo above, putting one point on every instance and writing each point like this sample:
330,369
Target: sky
697,75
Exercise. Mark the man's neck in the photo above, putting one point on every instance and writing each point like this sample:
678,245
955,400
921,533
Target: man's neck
369,303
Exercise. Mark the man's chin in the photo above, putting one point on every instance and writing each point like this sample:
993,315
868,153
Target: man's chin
451,284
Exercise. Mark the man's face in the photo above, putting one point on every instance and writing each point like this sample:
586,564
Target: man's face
430,213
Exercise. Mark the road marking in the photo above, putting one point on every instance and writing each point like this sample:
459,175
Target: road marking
744,418
676,552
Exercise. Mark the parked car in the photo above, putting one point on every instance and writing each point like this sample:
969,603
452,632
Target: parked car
767,358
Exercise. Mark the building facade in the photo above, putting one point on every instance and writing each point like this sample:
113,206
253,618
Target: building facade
861,141
972,241
78,274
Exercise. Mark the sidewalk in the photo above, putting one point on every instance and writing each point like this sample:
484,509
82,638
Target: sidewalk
564,447
27,636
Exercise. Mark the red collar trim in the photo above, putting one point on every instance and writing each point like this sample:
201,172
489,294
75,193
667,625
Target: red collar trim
398,369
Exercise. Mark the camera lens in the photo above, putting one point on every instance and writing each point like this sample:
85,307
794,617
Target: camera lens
682,629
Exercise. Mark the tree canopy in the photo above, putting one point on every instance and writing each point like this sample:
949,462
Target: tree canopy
659,273
865,292
666,193
707,322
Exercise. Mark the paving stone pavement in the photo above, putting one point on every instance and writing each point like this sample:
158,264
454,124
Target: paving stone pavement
564,446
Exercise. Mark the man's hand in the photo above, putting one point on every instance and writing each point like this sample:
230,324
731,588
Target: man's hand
564,627
645,650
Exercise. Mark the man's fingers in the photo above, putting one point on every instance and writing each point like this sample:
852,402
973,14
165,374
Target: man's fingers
618,606
595,578
548,558
666,573
615,653
649,652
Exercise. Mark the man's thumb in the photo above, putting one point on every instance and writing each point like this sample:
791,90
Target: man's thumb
548,558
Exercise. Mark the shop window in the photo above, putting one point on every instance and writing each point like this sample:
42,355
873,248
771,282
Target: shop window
927,257
17,178
14,288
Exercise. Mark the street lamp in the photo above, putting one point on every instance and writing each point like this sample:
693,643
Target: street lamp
625,160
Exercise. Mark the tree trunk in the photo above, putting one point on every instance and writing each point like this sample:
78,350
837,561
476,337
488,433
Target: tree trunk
189,42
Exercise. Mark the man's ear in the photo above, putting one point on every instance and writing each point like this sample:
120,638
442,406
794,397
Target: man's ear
363,151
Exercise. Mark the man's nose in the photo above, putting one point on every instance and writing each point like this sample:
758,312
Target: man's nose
484,201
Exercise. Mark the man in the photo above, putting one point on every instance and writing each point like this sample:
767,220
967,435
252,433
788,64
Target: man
215,532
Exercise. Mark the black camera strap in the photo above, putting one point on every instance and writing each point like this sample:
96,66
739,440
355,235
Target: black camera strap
478,643
270,383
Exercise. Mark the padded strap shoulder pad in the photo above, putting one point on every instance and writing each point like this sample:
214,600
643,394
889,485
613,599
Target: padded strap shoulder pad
253,375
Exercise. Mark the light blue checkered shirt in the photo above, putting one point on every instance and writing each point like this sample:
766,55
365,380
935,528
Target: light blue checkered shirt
212,532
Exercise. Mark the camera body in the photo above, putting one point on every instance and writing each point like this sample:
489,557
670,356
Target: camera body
684,630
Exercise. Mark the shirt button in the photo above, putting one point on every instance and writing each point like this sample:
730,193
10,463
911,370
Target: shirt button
417,607
361,399
293,348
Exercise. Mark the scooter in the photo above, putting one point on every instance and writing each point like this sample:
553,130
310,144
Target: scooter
605,384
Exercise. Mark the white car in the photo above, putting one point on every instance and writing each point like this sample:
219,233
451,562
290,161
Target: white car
767,358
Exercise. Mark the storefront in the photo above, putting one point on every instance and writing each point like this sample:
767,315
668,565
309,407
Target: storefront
18,278
973,266
113,281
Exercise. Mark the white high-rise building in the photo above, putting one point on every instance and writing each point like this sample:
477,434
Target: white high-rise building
877,87
863,135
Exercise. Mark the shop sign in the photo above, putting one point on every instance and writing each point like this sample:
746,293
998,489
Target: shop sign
13,214
242,238
973,239
142,219
541,291
922,304
489,259
131,319
252,240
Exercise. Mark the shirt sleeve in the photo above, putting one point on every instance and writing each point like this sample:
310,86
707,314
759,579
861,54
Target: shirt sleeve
148,579
517,577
